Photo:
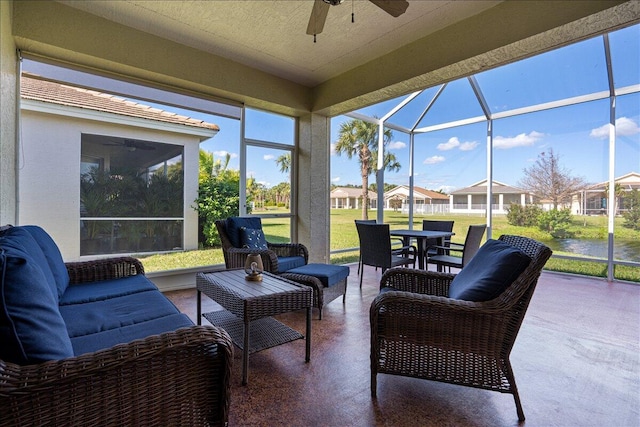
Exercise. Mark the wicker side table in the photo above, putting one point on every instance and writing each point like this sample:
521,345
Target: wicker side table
248,309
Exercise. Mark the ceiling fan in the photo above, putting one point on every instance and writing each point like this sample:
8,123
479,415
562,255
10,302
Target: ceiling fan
131,144
320,10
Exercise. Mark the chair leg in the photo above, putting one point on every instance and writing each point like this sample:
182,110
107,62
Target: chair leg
514,390
374,384
361,274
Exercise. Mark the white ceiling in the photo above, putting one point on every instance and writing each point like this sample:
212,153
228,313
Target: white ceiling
270,35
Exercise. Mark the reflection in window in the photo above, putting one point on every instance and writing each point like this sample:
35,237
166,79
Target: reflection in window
131,196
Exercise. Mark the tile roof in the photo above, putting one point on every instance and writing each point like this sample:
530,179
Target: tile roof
56,93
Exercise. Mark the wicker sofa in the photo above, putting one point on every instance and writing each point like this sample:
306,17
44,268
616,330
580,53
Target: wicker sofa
96,343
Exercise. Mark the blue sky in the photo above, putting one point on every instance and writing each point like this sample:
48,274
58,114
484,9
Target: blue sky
456,157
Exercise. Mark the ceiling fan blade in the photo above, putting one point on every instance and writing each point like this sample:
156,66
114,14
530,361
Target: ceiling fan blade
318,17
394,8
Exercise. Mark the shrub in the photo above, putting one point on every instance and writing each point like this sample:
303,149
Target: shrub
523,216
556,222
217,199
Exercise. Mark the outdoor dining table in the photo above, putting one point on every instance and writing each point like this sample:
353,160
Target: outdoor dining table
421,237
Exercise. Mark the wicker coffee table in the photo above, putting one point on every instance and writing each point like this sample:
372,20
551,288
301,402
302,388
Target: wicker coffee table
248,309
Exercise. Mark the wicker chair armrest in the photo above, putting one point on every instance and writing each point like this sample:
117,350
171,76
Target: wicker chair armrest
176,378
441,321
417,281
290,249
236,257
103,269
448,249
404,249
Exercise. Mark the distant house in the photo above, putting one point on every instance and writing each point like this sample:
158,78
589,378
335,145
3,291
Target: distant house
473,199
593,199
106,175
351,198
424,201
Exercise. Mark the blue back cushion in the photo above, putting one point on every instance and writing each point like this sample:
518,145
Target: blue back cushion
31,327
30,246
494,267
253,238
53,256
235,223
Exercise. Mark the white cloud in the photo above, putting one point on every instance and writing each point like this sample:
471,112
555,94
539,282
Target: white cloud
468,146
223,153
454,142
521,140
624,127
336,179
397,145
433,160
269,157
332,150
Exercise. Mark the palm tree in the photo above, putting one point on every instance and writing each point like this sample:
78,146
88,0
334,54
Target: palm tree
284,161
360,138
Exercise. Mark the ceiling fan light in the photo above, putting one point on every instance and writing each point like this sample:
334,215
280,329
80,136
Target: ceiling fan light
333,2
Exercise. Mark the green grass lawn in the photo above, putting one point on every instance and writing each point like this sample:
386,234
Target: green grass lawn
344,235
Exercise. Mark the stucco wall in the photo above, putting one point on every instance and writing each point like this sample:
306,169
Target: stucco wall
49,174
8,72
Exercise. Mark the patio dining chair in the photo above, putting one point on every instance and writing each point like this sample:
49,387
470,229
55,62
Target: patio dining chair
376,251
443,257
429,244
363,221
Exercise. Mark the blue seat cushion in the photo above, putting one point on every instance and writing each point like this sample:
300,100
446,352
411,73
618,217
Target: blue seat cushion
286,263
31,327
53,256
113,313
235,223
105,289
253,238
493,268
328,274
106,339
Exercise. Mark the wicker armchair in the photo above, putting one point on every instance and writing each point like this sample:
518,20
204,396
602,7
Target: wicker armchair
417,331
235,257
175,378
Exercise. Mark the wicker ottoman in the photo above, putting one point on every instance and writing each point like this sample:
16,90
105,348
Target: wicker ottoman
328,281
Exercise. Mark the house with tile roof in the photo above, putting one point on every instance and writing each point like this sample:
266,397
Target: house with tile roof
351,198
424,201
109,174
473,199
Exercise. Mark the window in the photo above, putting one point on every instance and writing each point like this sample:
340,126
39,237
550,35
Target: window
131,196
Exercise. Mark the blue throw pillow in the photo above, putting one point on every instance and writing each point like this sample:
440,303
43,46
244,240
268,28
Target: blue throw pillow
253,238
31,327
235,223
494,267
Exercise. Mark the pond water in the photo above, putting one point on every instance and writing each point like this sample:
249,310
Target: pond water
625,250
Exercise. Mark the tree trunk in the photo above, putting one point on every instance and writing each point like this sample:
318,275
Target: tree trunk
365,194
